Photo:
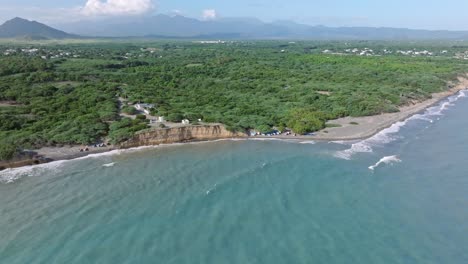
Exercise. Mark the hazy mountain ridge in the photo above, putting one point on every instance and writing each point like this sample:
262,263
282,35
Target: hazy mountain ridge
22,28
164,26
248,28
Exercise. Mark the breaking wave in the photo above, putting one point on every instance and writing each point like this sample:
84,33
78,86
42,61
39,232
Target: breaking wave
388,135
12,175
51,168
366,146
108,165
385,160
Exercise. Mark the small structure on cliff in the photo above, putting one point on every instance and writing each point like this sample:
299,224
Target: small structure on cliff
157,120
145,108
186,122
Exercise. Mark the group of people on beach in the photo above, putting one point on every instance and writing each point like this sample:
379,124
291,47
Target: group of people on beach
86,149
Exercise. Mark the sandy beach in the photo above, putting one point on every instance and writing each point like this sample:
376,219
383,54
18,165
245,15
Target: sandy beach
70,152
354,128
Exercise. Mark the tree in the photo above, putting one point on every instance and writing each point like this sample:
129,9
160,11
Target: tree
264,128
129,110
303,121
175,117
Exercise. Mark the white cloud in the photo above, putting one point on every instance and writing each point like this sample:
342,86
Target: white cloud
209,14
89,10
117,7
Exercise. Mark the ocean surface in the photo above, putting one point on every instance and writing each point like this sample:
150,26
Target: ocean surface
398,197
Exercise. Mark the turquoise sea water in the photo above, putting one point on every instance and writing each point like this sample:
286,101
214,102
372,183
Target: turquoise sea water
252,201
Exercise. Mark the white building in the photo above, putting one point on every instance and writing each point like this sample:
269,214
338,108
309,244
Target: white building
211,42
157,120
146,108
186,122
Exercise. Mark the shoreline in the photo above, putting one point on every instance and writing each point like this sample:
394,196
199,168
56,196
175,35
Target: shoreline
369,126
51,154
348,130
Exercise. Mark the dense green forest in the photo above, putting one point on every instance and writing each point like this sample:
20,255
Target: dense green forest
52,94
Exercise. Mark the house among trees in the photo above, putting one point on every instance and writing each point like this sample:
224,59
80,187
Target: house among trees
158,119
146,108
186,122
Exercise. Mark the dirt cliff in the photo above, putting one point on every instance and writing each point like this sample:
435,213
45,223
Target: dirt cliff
180,134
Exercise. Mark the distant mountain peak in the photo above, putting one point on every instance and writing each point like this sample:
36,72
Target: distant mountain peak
16,19
20,27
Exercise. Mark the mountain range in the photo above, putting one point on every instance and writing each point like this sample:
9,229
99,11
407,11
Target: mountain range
164,26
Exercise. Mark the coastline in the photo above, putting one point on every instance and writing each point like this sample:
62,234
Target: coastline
51,154
358,128
348,129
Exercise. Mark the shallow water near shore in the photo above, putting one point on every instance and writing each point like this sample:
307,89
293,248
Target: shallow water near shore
398,197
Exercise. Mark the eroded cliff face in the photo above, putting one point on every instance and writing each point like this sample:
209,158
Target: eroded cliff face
180,134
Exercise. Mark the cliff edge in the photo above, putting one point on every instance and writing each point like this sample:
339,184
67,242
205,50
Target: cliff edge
180,134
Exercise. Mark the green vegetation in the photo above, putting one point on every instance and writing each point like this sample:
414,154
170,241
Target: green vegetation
129,110
304,121
18,64
125,128
8,151
68,94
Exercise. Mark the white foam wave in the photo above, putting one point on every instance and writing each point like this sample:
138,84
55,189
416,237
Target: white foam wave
212,189
385,160
12,175
308,142
446,104
340,142
463,93
387,135
421,117
108,165
366,146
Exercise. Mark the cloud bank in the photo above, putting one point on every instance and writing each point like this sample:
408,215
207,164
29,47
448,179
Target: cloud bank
117,7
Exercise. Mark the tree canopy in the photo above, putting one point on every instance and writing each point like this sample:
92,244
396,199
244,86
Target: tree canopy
68,93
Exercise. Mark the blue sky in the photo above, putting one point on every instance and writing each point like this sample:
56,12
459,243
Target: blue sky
428,14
